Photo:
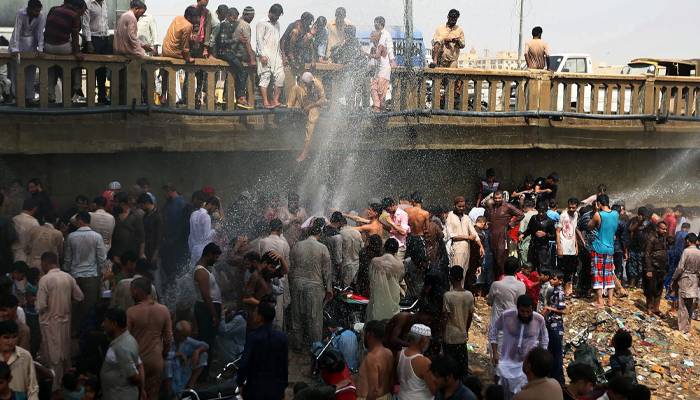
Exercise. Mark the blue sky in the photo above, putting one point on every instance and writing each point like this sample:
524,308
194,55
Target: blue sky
613,31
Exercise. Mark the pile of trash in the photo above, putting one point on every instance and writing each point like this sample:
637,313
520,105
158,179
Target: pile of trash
667,361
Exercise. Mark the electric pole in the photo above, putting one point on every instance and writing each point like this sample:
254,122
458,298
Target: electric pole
408,28
520,36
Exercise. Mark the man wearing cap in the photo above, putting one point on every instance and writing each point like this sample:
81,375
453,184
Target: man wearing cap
523,329
308,95
413,368
310,280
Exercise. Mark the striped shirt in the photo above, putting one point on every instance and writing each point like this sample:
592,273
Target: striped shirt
61,22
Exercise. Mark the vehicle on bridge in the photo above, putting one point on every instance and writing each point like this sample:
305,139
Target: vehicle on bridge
661,67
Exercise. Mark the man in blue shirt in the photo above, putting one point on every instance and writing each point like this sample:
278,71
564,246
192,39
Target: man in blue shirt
448,377
346,342
263,368
604,224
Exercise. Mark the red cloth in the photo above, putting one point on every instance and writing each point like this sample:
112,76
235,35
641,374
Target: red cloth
532,286
671,222
345,387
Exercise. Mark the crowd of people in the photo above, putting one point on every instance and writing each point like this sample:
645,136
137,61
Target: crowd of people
103,286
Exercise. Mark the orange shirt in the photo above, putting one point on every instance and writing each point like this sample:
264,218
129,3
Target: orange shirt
177,38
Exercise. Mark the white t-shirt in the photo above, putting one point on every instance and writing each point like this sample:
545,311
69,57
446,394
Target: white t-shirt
567,236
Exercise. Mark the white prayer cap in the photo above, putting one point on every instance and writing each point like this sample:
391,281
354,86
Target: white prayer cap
115,186
307,77
422,330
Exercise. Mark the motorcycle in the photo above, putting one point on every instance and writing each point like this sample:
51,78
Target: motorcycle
348,308
225,387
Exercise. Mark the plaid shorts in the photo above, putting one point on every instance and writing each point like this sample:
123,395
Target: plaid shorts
602,271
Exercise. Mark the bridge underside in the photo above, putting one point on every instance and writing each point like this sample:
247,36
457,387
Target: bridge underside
123,131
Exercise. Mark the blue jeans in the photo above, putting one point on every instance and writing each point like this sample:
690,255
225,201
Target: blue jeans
556,347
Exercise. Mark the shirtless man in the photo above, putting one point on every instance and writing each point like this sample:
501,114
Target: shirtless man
371,224
418,221
399,325
377,370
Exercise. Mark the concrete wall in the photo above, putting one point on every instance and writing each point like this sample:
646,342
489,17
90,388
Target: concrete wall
663,177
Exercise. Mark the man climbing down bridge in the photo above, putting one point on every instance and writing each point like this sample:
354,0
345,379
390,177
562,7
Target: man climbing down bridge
309,96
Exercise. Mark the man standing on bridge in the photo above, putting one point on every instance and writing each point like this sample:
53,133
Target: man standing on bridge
447,42
537,51
28,35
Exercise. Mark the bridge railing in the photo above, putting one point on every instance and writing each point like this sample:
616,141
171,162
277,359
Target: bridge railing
170,83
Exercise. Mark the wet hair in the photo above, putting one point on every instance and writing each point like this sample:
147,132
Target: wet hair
50,257
268,258
622,340
317,227
137,4
494,392
685,225
558,274
376,207
21,267
456,273
276,9
341,12
232,12
537,31
376,328
144,198
490,173
211,249
29,204
143,284
5,372
116,315
391,246
100,202
336,217
643,211
380,21
213,200
524,301
8,327
84,216
603,199
572,200
552,203
191,12
9,301
321,21
512,265
417,198
540,361
276,225
444,366
266,311
388,202
453,13
692,238
581,372
34,4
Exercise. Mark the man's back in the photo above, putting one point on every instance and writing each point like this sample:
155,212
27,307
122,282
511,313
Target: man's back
308,260
177,38
56,289
379,361
541,388
504,293
536,52
417,220
352,244
264,363
458,304
151,326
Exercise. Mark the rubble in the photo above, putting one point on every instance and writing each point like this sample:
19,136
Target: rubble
666,359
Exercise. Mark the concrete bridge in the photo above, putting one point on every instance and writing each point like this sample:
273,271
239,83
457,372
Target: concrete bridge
630,124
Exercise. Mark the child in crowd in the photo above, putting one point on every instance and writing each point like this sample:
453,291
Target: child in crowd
554,318
19,281
622,362
73,388
545,290
485,278
458,307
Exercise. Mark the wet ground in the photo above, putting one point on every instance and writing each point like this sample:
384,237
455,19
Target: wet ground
668,362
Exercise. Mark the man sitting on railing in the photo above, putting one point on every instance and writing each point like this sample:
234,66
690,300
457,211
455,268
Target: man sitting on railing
27,36
61,36
176,44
